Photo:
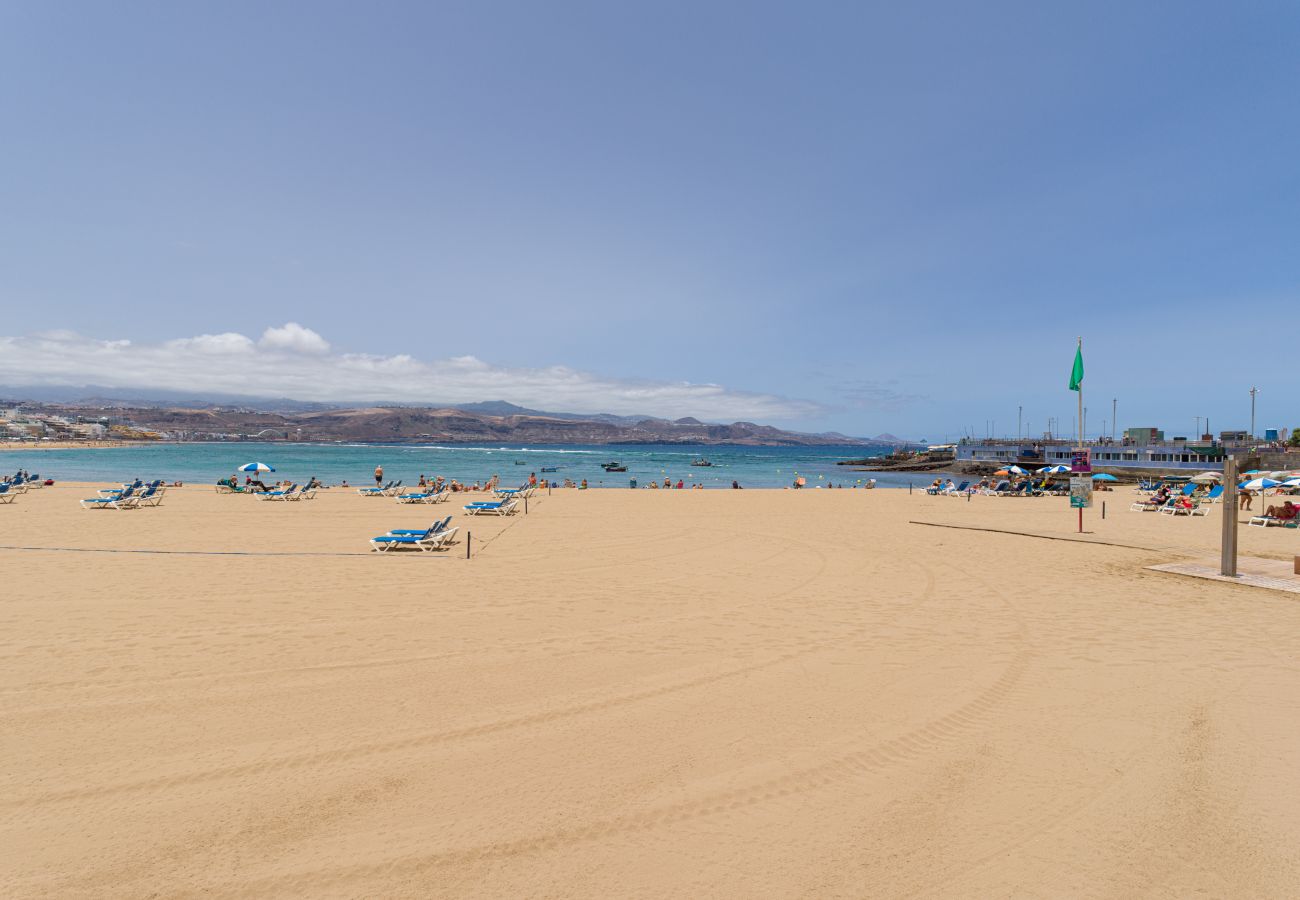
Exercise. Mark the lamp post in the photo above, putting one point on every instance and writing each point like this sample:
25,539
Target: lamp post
1114,416
1253,392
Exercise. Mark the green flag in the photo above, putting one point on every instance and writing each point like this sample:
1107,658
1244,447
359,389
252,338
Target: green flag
1076,376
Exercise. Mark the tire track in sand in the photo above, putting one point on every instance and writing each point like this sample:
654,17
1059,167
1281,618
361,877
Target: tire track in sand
838,770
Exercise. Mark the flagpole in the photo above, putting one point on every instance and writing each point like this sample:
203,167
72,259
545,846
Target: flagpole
1079,445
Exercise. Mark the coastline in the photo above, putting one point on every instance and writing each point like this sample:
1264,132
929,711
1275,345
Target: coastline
20,446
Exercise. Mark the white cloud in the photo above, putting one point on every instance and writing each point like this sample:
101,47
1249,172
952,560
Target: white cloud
293,337
296,362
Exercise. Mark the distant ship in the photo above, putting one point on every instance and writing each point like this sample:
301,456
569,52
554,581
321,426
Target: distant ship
701,462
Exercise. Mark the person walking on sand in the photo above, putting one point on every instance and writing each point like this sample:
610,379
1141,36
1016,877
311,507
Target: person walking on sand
379,476
1247,498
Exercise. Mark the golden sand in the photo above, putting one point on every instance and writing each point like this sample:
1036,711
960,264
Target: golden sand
636,694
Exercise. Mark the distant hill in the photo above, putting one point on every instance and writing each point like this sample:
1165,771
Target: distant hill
467,423
888,438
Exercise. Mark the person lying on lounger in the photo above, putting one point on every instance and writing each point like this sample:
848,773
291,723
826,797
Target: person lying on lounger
1287,511
1160,497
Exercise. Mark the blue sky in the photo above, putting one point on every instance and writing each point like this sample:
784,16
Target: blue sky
858,217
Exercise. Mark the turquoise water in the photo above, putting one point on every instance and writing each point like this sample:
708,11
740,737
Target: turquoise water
753,467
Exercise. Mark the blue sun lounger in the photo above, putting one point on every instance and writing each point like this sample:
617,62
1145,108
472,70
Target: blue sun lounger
433,538
124,500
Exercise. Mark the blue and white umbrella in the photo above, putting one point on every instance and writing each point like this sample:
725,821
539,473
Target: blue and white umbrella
1053,470
1016,470
1257,484
256,467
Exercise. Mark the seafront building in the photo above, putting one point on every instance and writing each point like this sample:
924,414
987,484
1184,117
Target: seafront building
1140,451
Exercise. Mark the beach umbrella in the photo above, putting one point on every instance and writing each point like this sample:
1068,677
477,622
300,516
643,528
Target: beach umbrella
1102,476
1016,470
1207,477
1053,470
256,467
1258,484
1291,483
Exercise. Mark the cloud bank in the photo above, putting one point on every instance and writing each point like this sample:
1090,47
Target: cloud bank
293,361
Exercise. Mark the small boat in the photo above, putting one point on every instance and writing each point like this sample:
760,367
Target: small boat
550,468
615,468
610,465
701,462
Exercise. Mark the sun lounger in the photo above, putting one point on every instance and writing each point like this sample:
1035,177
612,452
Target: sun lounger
6,494
124,500
1143,506
152,496
1215,494
375,491
504,508
1270,521
957,490
288,494
425,496
430,539
1170,509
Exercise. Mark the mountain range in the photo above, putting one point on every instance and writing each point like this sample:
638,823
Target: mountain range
227,417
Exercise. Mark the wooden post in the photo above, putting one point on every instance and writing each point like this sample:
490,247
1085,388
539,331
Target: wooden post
469,539
1228,555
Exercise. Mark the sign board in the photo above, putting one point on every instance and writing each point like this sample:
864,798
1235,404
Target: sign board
1081,461
1080,492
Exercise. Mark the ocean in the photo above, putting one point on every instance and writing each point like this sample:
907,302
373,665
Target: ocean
752,467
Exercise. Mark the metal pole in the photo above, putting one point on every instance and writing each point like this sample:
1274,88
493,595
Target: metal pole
1253,392
1020,415
1114,414
1080,445
469,539
1228,556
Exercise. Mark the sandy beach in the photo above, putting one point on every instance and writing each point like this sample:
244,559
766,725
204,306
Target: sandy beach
643,694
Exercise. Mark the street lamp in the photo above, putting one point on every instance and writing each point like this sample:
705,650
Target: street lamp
1253,392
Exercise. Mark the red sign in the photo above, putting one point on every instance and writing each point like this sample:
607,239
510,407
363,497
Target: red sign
1081,461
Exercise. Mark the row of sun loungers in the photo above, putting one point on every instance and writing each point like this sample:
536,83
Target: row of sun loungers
392,489
24,483
428,496
129,496
12,487
292,492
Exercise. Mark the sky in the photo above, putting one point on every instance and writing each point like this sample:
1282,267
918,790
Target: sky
859,217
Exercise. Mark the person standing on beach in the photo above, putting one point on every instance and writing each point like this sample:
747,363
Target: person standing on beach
379,476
